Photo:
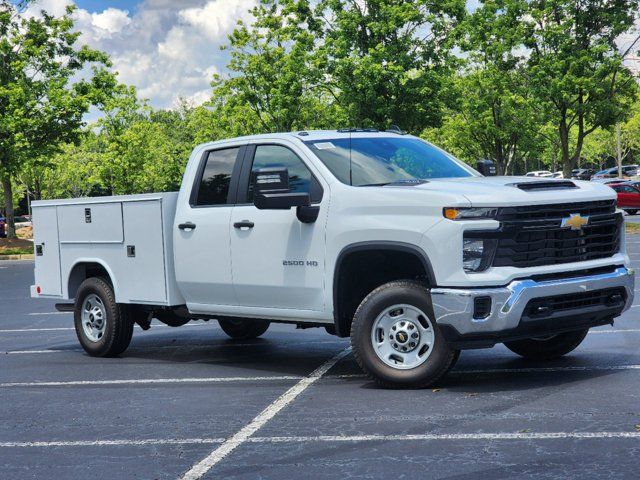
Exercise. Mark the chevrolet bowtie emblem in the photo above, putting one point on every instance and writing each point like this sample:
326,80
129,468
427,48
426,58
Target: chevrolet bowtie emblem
575,221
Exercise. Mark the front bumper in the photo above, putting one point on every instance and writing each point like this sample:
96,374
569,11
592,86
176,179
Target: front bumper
454,308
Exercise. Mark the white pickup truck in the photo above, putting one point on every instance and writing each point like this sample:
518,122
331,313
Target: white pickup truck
379,236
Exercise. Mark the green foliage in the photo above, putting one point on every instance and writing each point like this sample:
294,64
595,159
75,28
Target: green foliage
41,105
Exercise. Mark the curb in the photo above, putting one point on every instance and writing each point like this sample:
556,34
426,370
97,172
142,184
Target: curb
29,256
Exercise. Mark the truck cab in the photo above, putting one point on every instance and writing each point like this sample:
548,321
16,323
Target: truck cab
379,236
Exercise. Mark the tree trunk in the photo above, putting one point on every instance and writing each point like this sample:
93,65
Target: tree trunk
8,205
564,148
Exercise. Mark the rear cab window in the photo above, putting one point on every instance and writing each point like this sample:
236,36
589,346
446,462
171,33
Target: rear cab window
214,181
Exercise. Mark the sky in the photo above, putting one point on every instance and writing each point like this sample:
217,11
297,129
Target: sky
168,49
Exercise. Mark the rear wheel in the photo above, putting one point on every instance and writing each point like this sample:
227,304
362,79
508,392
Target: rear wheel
243,328
631,212
394,339
104,327
548,348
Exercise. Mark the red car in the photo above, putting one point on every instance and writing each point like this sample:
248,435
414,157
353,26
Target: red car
628,197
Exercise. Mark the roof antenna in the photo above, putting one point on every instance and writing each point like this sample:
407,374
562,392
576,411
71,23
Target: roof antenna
396,129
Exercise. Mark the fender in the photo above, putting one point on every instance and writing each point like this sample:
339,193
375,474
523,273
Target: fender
376,245
114,281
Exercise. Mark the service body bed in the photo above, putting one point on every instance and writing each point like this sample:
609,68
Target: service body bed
130,236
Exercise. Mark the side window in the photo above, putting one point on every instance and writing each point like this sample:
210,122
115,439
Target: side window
300,178
213,188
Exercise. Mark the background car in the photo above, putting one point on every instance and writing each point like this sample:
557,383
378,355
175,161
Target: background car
582,173
540,173
628,197
627,171
610,181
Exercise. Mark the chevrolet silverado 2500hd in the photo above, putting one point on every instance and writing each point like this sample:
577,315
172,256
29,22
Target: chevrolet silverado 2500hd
378,236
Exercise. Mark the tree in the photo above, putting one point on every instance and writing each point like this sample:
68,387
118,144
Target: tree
271,85
387,61
574,67
41,103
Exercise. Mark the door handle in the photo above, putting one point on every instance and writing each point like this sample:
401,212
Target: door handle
244,224
187,226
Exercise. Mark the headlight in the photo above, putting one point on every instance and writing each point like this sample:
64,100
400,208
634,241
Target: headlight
477,254
470,213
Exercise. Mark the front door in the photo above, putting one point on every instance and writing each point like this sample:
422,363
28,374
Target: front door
201,235
277,260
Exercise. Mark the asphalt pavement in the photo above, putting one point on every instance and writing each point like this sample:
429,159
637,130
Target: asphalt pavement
190,402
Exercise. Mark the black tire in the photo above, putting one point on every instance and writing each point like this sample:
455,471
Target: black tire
631,212
548,348
403,292
118,328
244,328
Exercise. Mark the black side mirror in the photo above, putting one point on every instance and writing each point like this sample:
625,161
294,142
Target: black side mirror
271,190
486,168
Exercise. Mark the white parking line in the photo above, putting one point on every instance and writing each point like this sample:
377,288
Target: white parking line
147,381
49,313
53,329
619,330
117,443
334,438
245,433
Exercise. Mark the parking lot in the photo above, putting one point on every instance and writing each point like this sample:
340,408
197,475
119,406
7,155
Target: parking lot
293,403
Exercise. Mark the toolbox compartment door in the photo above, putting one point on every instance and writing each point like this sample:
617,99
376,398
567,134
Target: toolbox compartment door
47,259
91,223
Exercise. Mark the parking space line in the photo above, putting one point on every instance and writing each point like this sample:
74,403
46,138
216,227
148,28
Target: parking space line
246,432
451,436
49,313
619,330
333,439
134,349
148,381
117,443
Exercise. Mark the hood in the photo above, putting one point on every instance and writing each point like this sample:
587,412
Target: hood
503,191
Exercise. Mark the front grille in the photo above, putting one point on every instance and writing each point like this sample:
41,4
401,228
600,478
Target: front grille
533,236
543,307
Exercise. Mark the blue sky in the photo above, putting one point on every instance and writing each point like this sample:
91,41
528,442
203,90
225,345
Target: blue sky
100,5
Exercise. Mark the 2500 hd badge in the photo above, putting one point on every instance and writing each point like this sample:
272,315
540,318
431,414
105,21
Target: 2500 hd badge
299,263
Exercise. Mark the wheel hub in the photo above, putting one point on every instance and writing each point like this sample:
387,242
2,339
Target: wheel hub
93,318
404,336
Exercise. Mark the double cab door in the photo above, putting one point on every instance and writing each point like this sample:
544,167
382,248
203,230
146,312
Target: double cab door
240,255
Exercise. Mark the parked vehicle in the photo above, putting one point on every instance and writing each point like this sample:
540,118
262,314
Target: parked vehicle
609,181
540,173
557,175
378,236
627,171
582,173
628,197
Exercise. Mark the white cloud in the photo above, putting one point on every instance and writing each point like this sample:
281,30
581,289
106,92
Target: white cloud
168,49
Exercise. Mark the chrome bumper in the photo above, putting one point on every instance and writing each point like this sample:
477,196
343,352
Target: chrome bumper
454,306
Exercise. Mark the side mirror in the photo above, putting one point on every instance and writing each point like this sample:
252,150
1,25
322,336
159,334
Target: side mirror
271,190
486,168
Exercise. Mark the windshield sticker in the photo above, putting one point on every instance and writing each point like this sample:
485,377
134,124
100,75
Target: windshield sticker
324,145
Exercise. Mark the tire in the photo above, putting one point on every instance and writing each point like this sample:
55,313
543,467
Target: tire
243,328
548,348
405,305
631,212
104,327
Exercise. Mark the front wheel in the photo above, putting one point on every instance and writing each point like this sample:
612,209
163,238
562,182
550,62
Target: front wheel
104,327
396,341
548,348
243,328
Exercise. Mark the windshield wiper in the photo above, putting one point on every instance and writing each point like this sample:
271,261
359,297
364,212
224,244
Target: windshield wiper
400,183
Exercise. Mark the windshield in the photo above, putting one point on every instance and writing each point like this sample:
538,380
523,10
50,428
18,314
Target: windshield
384,160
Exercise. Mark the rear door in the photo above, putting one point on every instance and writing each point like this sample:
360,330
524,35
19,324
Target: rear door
278,261
201,231
47,260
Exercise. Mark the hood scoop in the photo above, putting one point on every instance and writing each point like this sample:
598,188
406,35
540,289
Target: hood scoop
545,185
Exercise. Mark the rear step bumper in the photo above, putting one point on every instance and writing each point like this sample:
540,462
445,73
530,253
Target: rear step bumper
562,304
65,307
